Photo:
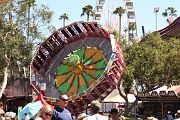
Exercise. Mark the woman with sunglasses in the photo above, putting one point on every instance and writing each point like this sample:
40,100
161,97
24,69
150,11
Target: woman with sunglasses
46,113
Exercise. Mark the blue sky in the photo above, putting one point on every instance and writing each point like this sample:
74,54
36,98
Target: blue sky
144,9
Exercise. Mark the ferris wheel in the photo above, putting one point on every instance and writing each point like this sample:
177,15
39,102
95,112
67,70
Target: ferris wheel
104,15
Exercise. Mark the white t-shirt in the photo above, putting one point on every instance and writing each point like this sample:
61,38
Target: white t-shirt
27,117
95,117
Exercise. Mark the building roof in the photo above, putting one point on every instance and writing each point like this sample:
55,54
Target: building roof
176,89
171,94
172,30
114,97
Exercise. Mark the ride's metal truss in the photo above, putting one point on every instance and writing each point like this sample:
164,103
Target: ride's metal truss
70,38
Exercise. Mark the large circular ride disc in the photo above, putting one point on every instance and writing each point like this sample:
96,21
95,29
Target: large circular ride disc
76,74
81,60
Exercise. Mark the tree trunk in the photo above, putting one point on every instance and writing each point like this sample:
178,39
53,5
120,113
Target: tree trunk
128,107
4,83
119,25
88,17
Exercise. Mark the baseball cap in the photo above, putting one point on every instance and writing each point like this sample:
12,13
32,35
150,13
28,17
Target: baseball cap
95,104
178,111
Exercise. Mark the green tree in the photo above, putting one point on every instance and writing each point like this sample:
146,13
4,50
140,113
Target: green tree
18,34
116,35
88,10
151,64
172,61
170,12
64,17
37,23
120,11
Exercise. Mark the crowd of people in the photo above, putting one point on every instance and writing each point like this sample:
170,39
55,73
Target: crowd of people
7,115
60,112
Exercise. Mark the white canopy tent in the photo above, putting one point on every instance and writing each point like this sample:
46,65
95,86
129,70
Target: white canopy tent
114,100
114,97
163,88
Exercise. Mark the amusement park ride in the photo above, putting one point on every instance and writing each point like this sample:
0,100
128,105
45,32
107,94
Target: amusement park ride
129,7
101,12
82,60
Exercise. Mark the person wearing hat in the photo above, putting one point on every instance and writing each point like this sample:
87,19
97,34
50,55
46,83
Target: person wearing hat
94,111
177,115
114,114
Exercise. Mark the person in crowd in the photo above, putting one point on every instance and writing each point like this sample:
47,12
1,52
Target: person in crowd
82,116
109,117
151,118
10,115
61,112
26,116
94,112
46,113
1,114
169,116
8,118
177,115
1,111
123,118
114,114
139,119
1,105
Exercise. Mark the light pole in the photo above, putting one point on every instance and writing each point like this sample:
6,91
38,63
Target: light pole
156,10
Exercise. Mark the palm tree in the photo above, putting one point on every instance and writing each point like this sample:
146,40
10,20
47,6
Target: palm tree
120,11
88,10
170,12
132,27
64,17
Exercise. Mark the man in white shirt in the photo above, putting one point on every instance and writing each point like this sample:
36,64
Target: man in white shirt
94,109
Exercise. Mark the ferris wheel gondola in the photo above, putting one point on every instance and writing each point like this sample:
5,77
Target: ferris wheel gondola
102,6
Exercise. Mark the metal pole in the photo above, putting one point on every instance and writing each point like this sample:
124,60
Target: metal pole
156,21
156,10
